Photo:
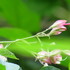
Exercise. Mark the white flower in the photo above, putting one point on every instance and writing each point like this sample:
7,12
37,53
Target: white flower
3,58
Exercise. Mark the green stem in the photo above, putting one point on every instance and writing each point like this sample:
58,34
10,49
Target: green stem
22,38
46,30
6,41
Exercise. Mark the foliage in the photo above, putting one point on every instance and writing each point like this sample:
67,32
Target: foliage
13,33
19,16
49,68
22,18
7,53
2,67
69,66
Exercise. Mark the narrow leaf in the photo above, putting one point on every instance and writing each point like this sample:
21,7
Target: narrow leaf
49,68
7,53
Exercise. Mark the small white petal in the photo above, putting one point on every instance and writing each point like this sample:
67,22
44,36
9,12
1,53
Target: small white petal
42,53
67,52
57,62
53,43
45,64
60,59
54,52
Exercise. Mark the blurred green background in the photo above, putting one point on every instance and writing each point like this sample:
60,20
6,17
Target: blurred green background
23,18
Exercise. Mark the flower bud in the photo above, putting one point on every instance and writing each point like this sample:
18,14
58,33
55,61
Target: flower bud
62,28
41,54
58,23
1,46
46,64
58,27
47,60
57,58
57,33
57,30
57,62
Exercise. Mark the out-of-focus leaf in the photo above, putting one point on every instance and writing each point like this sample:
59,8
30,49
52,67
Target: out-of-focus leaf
7,53
42,7
49,68
13,33
19,15
10,66
69,66
63,14
68,5
2,67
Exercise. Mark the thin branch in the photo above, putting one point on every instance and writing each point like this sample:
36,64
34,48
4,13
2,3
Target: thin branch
7,45
6,41
39,40
25,38
45,30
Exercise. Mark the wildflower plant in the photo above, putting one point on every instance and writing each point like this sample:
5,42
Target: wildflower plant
46,58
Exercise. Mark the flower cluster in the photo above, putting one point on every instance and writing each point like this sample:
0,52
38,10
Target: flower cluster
53,57
58,27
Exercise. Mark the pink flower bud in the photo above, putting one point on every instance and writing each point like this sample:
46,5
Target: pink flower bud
57,58
41,54
67,24
62,28
49,57
1,46
57,30
57,33
47,60
58,23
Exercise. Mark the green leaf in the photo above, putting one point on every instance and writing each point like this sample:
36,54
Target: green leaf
2,67
69,66
42,7
13,33
7,53
49,68
19,15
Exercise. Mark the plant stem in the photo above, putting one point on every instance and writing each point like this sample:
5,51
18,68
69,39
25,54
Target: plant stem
46,30
6,41
22,38
29,37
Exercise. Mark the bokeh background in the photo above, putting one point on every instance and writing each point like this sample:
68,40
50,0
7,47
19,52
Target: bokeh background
23,18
